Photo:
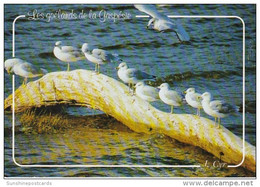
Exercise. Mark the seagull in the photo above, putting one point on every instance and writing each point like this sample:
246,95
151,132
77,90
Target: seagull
170,97
162,23
98,56
132,76
147,93
217,109
193,99
23,69
67,53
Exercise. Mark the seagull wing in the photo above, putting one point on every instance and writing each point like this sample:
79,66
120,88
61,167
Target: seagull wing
104,55
216,105
177,27
152,11
223,107
181,32
100,54
173,95
195,97
28,67
226,108
151,91
73,51
130,72
68,49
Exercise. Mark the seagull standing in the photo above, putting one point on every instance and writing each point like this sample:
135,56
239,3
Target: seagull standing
193,99
170,97
162,23
132,76
67,53
98,56
23,69
217,109
146,92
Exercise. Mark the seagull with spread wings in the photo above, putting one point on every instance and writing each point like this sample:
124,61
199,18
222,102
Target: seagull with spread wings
162,23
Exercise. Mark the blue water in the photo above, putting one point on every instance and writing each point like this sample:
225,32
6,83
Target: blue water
212,59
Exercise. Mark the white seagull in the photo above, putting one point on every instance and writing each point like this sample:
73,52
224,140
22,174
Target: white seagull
132,76
23,69
170,97
217,109
146,92
193,99
98,56
162,23
67,53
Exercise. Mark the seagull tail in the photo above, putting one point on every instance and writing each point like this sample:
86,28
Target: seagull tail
234,110
115,55
237,109
116,58
154,77
44,71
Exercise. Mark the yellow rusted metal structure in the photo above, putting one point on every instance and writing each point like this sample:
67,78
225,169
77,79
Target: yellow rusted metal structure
98,91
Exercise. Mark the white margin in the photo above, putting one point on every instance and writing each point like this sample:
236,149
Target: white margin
144,166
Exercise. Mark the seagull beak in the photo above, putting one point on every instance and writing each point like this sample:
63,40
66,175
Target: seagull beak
117,68
9,71
185,92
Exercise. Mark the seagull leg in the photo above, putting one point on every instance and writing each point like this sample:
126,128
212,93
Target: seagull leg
129,87
218,123
68,69
172,109
133,89
25,81
199,111
98,69
215,121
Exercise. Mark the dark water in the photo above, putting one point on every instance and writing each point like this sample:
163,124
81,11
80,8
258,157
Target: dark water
211,61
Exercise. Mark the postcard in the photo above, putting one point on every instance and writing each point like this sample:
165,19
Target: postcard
130,90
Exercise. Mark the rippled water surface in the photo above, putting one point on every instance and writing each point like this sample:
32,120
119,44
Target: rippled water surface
212,61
